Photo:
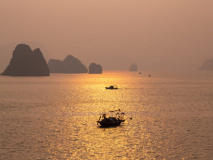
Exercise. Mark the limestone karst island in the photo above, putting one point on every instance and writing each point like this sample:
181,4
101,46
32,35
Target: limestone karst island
133,68
207,65
72,65
95,68
26,62
69,65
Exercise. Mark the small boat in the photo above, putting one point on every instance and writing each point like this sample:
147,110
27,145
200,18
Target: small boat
112,121
112,87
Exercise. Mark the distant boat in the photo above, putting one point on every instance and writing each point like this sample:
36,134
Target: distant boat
112,87
112,121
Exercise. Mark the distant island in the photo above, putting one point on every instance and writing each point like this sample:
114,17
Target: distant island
69,65
133,68
207,65
95,69
26,62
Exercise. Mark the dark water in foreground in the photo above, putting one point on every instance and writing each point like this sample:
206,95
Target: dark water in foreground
55,117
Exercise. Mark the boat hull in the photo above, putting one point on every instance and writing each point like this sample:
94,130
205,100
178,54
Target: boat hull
108,124
110,88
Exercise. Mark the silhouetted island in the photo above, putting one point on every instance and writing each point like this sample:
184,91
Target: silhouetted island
26,62
133,68
95,69
69,65
207,65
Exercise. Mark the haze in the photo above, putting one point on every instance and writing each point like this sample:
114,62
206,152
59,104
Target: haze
154,34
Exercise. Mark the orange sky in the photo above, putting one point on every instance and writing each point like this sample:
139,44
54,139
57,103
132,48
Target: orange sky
155,34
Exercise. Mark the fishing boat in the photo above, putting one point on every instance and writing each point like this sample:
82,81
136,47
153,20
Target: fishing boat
112,87
111,121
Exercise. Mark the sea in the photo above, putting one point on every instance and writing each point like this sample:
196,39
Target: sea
168,116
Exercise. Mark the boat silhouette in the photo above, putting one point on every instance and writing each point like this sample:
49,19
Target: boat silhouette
112,87
111,121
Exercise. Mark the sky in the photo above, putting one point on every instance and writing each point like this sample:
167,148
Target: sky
154,34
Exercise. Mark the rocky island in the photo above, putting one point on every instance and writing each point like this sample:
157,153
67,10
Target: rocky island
69,65
95,69
133,68
207,65
26,62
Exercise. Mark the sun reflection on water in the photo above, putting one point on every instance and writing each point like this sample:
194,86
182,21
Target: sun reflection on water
56,118
87,139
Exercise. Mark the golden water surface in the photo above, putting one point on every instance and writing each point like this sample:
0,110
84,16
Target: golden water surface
56,117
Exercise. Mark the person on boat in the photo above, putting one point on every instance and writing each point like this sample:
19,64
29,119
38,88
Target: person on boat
104,115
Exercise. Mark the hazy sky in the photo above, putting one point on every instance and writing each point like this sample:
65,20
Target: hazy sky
154,34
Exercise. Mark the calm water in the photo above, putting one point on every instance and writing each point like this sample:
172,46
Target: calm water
55,117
